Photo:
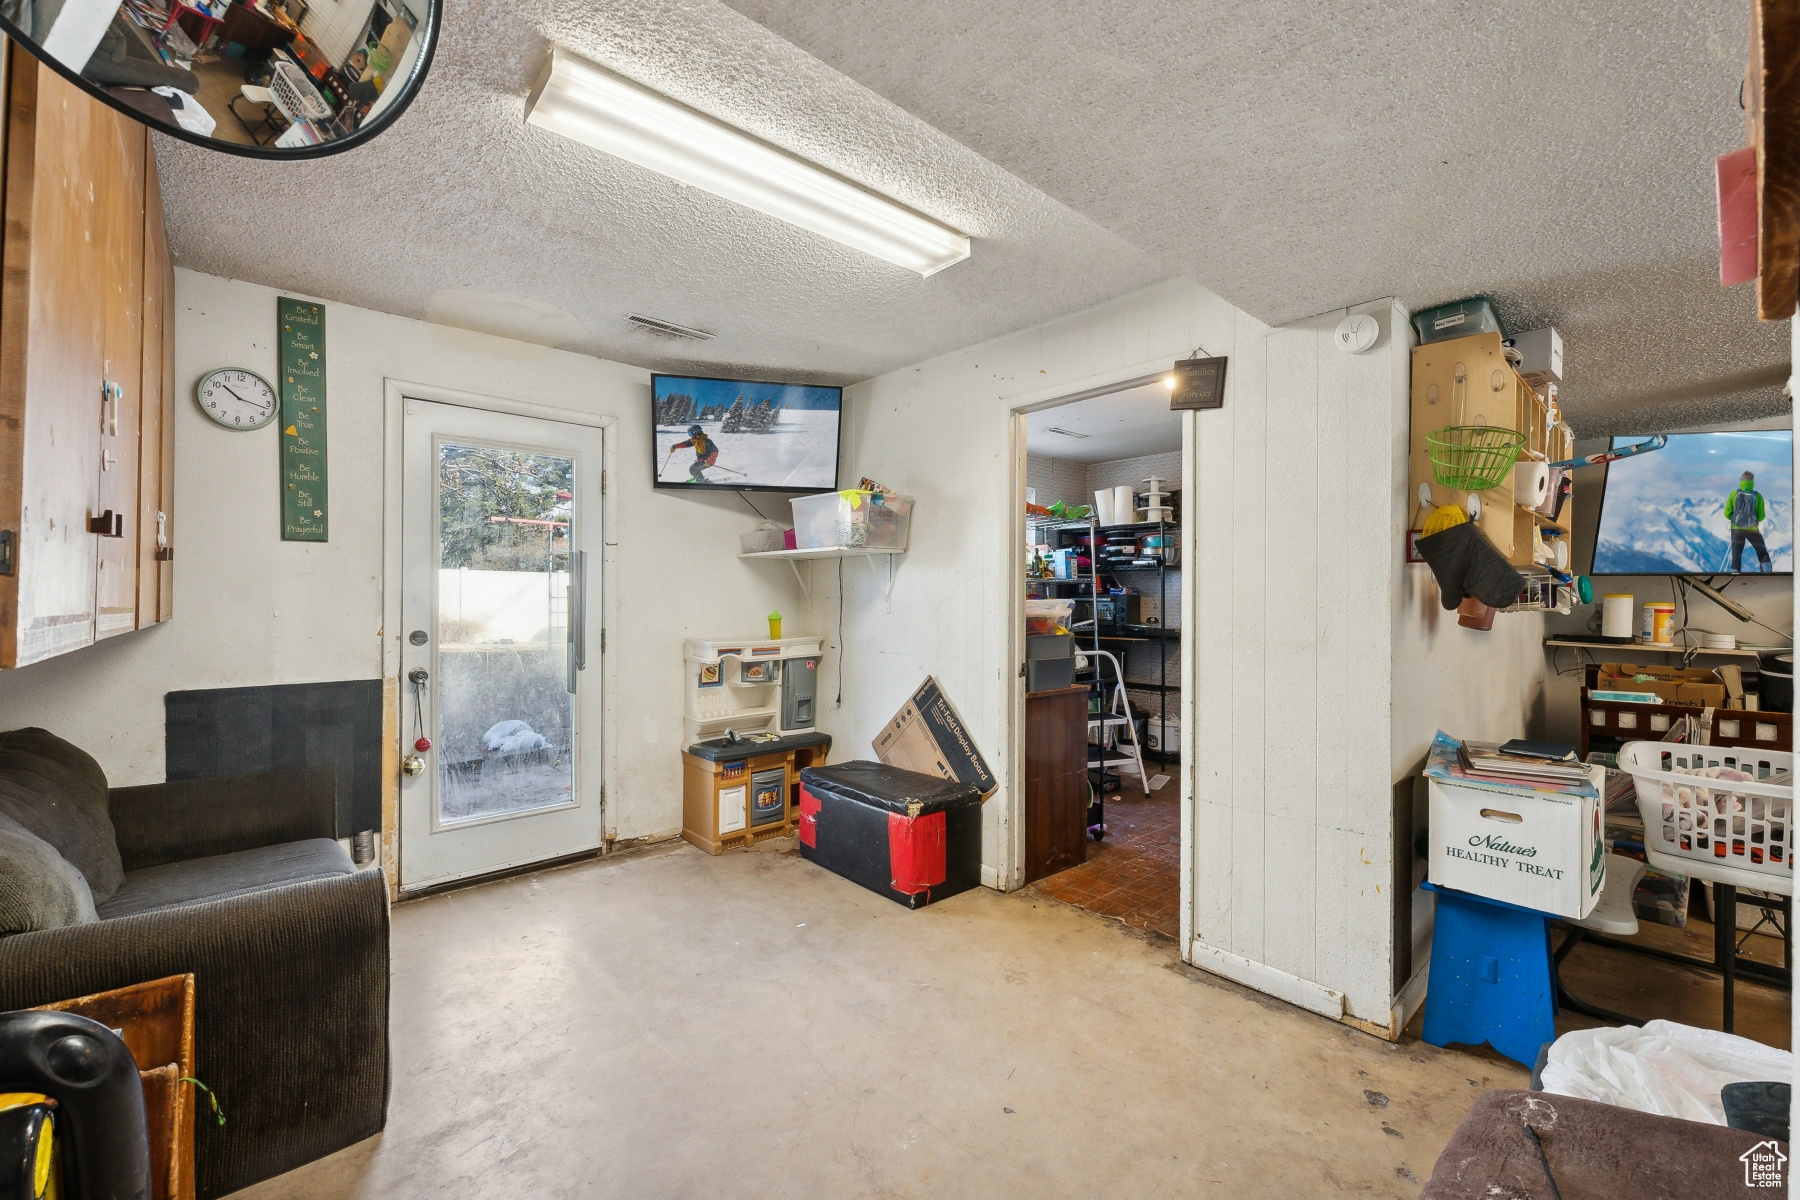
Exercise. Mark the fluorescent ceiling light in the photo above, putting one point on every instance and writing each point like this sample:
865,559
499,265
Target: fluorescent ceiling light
598,108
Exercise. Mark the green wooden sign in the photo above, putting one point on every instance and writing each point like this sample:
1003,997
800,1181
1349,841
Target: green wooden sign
305,506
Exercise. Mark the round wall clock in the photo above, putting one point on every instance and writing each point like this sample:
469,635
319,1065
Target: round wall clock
237,399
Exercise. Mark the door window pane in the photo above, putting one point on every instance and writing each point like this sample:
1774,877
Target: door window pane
506,719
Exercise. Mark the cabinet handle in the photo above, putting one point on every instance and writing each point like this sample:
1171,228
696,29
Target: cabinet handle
108,524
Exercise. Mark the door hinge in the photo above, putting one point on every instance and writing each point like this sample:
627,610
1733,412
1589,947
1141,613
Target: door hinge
6,551
603,483
108,524
603,639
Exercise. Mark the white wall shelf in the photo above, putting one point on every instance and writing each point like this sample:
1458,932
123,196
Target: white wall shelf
1637,647
793,558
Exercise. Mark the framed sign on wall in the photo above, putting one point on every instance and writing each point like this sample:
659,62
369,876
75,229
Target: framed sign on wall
305,502
1199,384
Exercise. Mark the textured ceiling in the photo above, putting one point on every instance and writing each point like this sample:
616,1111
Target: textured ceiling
1126,424
1298,157
1294,157
462,196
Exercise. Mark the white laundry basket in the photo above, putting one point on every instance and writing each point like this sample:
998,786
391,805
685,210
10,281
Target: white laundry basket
1729,831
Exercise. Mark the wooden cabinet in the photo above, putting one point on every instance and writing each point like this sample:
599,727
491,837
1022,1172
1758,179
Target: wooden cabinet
1056,780
86,386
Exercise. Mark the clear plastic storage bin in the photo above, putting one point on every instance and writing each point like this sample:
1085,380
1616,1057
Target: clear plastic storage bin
853,519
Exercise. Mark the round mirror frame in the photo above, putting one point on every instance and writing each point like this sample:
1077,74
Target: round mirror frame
350,141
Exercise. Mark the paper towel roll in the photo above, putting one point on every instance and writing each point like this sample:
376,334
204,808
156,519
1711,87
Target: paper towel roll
1615,615
1103,506
1124,505
1531,483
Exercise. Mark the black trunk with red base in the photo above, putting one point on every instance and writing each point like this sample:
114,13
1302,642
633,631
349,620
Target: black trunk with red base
910,837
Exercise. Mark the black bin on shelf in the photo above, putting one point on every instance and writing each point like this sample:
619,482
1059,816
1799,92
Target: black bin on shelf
913,838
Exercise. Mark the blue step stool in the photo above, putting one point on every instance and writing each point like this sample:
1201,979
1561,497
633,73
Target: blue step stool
1491,976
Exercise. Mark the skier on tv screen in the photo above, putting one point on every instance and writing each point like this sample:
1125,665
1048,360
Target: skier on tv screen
1745,510
706,454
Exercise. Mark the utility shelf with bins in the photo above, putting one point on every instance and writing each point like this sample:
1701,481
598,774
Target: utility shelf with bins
1468,381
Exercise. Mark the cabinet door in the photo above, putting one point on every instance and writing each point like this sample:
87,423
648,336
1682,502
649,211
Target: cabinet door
119,169
1056,781
51,362
156,435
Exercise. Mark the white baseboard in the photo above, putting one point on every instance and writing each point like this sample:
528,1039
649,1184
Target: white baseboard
990,878
1410,998
1302,993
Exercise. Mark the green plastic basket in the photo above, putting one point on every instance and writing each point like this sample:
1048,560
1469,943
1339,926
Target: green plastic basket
1473,458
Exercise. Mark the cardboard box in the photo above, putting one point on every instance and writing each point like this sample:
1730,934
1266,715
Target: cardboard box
1675,685
927,735
1539,850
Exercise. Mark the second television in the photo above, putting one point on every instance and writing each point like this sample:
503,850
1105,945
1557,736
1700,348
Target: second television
1705,504
744,434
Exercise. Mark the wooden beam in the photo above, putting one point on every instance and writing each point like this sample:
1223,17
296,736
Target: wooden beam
1773,102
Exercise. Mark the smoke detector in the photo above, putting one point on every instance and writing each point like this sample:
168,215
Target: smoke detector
1356,334
668,328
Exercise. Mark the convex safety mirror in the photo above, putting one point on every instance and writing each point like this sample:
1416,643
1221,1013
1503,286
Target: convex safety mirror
262,78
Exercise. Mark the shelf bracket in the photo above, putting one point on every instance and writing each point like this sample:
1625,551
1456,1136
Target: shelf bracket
806,583
887,586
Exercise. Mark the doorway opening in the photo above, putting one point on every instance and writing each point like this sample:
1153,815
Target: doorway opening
1103,654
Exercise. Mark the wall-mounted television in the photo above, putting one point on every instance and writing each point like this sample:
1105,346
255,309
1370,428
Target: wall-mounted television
744,434
1688,509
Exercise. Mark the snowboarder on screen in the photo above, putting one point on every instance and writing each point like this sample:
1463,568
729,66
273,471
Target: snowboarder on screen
1744,509
706,453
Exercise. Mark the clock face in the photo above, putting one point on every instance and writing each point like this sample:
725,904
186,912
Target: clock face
237,399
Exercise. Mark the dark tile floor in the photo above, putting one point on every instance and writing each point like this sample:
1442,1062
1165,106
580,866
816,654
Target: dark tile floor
1135,873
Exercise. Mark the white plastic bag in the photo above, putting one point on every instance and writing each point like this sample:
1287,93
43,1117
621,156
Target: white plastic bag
1666,1068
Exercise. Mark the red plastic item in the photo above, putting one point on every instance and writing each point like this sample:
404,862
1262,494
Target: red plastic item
809,818
916,851
1736,177
422,745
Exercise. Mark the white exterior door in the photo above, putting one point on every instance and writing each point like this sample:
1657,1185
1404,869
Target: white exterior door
499,680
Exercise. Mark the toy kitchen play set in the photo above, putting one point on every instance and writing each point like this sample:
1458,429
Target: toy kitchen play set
750,715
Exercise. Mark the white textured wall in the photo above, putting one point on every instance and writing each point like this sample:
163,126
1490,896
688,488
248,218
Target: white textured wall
941,431
1290,499
1135,471
251,609
1288,533
1057,479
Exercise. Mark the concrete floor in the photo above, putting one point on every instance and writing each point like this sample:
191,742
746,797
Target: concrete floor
671,1024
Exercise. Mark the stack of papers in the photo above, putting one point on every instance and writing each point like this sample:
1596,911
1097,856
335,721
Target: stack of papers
1521,761
1518,765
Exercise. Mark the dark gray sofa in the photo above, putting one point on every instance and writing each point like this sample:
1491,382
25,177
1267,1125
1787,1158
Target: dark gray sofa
239,880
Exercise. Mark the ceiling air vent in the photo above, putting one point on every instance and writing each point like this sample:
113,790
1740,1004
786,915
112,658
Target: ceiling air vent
668,328
1068,432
